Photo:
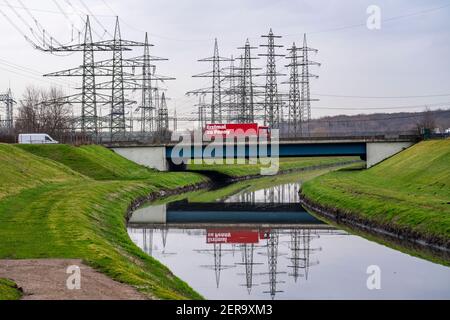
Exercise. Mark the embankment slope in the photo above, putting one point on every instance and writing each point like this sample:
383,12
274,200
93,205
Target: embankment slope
67,202
408,194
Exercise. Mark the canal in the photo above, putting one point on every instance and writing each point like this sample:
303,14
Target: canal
252,240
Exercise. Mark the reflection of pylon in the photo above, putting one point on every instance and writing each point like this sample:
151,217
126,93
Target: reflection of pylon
300,252
164,233
272,259
247,251
147,240
217,267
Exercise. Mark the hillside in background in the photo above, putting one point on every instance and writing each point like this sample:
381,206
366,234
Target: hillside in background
364,124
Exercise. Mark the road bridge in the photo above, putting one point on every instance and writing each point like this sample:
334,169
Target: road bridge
163,156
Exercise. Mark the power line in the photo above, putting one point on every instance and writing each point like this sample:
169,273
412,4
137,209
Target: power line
95,18
52,11
36,78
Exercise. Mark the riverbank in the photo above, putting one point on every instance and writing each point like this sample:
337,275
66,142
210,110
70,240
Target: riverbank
72,211
406,196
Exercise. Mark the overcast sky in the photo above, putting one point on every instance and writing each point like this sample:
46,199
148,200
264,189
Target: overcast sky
408,56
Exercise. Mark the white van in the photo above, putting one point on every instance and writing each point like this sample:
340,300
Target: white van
36,138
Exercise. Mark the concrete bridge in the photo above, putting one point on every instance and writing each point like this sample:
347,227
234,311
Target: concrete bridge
162,156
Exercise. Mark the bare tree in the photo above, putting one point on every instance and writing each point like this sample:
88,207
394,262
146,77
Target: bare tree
428,121
43,111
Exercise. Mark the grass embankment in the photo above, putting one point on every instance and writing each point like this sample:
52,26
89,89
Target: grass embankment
237,170
66,202
408,193
9,290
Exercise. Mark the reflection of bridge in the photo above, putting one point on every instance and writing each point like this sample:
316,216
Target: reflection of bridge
162,157
189,212
284,193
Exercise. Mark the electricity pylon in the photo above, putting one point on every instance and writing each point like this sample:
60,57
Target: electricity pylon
295,112
9,102
89,98
215,90
246,110
305,98
163,116
272,103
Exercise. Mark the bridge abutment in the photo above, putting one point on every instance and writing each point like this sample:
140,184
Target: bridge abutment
379,151
151,157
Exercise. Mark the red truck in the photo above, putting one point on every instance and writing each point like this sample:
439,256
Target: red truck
236,129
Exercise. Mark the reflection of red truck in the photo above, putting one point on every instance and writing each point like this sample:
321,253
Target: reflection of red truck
241,236
236,129
231,236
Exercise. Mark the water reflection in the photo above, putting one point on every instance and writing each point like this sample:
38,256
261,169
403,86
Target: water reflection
285,254
285,193
253,252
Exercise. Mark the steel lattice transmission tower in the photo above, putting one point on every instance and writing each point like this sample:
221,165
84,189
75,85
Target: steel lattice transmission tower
295,114
246,110
215,90
89,124
117,95
232,93
147,108
9,102
201,107
89,98
143,81
305,99
272,103
163,116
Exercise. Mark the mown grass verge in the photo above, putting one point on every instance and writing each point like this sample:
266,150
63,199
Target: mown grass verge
408,194
73,209
9,290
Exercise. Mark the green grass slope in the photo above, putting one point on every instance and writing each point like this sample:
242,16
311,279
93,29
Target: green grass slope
9,290
410,190
93,161
20,170
50,211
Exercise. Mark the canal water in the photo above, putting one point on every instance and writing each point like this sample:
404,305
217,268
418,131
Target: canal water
259,243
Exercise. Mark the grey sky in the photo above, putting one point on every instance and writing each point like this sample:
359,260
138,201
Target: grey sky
409,56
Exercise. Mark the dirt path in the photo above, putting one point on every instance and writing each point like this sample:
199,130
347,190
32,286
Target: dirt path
46,279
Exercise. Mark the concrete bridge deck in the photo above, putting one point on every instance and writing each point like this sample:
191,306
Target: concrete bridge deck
162,156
